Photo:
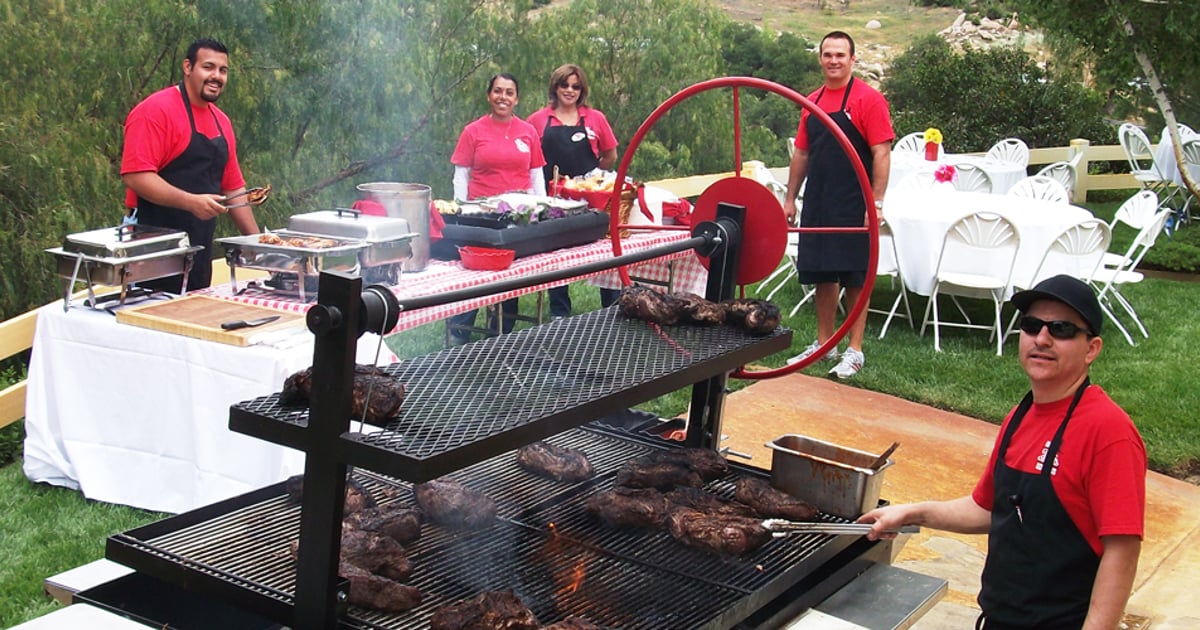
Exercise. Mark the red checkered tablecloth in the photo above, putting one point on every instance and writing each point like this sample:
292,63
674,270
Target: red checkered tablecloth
442,276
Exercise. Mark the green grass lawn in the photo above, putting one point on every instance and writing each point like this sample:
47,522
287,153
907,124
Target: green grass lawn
45,530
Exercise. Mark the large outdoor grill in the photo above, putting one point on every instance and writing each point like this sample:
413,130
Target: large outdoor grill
465,412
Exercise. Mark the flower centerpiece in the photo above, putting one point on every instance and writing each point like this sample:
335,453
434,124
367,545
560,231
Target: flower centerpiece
945,174
933,143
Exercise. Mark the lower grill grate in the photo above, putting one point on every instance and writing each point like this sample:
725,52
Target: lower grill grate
619,578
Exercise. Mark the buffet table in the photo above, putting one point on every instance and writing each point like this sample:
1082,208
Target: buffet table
140,417
441,276
1003,174
919,221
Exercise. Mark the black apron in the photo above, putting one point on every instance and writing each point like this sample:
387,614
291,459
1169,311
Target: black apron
568,148
833,197
197,170
1040,570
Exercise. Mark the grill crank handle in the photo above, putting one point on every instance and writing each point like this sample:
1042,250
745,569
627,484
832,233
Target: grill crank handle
725,450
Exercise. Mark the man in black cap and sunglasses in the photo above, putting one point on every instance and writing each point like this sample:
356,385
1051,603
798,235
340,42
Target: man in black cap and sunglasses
1063,496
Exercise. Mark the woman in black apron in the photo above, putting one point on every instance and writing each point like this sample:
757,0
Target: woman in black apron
575,141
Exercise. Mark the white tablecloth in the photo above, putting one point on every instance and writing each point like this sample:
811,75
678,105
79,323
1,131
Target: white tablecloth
140,417
919,221
905,163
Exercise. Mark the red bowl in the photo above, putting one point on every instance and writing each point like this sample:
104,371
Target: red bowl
485,258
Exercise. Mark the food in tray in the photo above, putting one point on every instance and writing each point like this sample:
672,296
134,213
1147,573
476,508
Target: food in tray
489,609
446,206
305,242
386,393
450,504
772,503
721,534
596,181
555,462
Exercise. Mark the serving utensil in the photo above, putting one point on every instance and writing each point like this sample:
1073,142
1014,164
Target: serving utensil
882,459
238,324
780,528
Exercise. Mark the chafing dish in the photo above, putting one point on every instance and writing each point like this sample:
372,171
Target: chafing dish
122,255
286,262
389,239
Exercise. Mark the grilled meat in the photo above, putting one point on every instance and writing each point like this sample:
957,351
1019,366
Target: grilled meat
649,305
756,316
648,471
376,592
450,504
386,393
490,610
377,554
357,497
722,534
771,503
697,310
708,463
556,462
572,623
629,507
399,522
708,503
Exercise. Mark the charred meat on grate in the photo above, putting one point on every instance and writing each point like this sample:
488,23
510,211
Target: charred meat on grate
378,593
385,391
759,317
721,534
650,472
709,503
357,496
629,507
708,463
490,610
399,522
770,502
639,302
556,462
378,554
697,310
450,504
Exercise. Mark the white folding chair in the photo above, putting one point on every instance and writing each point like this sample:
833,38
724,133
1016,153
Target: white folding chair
913,143
1039,187
891,269
1110,279
1077,252
1140,154
976,261
1191,158
972,178
1136,212
1012,150
1062,172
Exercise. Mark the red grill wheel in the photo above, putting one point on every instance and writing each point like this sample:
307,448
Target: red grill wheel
765,237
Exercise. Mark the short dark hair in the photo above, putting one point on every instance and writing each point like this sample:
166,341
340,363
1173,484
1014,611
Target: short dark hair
503,75
559,77
204,42
837,35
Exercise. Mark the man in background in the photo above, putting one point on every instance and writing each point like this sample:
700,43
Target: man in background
179,161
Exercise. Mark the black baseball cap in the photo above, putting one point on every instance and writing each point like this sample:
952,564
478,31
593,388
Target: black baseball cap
1070,291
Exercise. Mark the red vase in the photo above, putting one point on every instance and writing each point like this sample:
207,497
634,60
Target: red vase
931,151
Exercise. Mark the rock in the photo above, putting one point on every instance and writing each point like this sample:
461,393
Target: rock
874,24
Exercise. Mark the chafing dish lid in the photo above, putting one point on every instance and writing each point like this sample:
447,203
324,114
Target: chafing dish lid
346,223
125,241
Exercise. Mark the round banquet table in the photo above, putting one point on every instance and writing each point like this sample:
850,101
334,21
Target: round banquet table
920,218
905,163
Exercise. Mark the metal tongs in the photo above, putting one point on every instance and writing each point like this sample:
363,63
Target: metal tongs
780,528
254,197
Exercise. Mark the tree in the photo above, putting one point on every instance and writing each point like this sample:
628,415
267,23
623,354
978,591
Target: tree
1157,40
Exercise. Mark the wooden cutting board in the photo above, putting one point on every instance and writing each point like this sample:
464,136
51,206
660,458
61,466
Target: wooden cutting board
201,316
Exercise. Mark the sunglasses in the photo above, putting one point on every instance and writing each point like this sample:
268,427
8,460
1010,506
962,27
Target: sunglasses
571,86
1059,329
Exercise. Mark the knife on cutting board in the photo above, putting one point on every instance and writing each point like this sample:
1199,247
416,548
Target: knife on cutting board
238,324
